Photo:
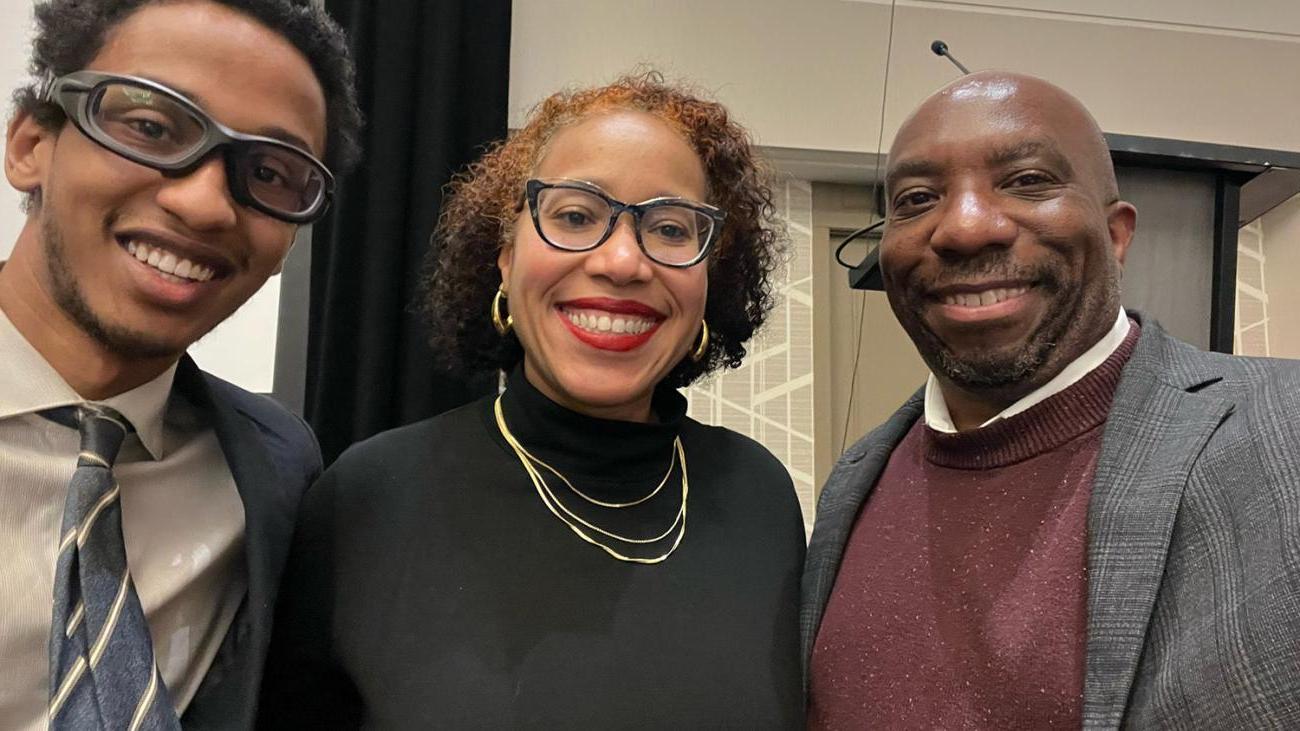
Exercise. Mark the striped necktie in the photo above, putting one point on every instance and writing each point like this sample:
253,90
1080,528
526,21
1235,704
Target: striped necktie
102,671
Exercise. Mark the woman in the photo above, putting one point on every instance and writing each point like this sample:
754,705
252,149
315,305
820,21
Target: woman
574,553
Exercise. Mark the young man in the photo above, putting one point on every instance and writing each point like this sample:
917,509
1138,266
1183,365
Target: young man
1080,520
168,154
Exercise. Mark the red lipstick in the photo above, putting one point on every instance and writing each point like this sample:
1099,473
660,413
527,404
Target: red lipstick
611,341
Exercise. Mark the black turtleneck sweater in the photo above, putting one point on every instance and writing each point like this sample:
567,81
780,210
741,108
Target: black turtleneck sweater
430,587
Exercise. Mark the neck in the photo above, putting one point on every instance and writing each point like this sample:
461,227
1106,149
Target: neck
969,410
90,368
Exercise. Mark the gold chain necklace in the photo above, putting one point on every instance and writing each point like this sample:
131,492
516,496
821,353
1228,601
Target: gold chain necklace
574,521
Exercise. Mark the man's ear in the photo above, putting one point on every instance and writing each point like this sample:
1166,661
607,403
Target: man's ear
1121,219
28,148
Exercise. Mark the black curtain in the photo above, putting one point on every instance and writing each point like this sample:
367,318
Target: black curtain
432,77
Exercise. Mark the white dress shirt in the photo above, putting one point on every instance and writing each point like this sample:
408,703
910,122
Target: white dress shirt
938,418
182,521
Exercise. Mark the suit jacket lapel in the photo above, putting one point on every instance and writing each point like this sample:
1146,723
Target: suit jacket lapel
1156,429
846,489
230,675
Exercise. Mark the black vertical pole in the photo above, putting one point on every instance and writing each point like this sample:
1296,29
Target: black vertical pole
1223,283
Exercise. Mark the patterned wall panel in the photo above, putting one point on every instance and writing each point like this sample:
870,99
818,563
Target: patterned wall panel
1251,326
770,397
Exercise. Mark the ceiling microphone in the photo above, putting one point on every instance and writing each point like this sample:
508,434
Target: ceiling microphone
941,49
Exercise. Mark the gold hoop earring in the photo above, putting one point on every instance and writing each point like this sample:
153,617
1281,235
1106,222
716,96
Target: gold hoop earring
501,324
697,355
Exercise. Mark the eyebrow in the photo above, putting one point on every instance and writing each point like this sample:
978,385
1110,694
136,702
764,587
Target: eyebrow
1001,156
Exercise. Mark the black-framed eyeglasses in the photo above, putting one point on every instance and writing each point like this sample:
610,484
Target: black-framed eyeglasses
575,215
150,124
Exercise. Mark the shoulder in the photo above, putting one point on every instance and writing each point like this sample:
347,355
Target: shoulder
1256,388
731,450
1187,367
287,438
438,439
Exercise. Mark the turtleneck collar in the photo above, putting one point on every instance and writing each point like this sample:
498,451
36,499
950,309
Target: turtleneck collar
596,449
1045,426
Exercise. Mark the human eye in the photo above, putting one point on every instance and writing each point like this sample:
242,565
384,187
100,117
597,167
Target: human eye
148,128
572,217
672,225
1030,180
913,201
270,172
145,127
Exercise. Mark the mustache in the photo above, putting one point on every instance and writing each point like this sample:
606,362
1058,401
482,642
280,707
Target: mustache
989,267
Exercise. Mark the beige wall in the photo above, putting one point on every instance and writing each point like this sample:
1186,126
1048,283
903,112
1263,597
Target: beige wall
810,73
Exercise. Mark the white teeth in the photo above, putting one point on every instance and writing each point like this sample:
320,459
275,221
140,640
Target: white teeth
985,298
606,323
176,268
167,263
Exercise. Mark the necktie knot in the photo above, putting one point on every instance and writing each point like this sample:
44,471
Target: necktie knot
102,431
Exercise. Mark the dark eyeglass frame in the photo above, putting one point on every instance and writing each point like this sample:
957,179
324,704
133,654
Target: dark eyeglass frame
76,93
534,187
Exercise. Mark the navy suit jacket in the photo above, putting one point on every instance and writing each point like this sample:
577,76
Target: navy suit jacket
273,457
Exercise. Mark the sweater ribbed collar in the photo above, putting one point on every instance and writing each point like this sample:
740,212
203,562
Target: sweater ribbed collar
605,450
1042,428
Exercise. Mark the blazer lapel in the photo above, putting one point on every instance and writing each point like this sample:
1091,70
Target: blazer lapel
1156,429
846,489
231,678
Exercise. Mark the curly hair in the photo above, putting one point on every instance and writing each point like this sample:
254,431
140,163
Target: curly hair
70,33
479,214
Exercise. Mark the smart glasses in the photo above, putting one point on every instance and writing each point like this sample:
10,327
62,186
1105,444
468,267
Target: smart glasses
147,123
574,215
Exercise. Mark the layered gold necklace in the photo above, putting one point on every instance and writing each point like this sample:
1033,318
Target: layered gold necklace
584,529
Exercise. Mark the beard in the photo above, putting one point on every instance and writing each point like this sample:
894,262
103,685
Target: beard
1075,310
121,341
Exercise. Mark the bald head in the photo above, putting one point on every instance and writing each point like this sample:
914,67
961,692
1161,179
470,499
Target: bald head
1000,98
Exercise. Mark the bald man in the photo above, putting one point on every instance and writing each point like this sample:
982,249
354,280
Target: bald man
1079,520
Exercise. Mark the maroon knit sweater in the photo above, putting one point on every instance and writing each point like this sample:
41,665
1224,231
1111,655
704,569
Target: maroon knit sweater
961,601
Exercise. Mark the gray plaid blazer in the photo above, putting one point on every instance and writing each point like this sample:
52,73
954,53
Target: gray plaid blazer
1193,541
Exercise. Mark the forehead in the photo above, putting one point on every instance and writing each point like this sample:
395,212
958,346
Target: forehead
219,57
627,153
965,131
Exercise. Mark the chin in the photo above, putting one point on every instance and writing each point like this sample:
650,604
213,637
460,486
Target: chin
606,385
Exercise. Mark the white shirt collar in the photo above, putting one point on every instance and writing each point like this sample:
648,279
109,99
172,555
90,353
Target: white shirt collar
936,409
30,384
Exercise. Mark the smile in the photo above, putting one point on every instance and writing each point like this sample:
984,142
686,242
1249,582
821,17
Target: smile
610,324
173,267
980,304
604,322
983,298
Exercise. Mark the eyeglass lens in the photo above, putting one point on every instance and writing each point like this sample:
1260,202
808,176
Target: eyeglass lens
572,218
157,127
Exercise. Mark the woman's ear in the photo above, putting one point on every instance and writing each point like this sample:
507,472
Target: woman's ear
504,259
